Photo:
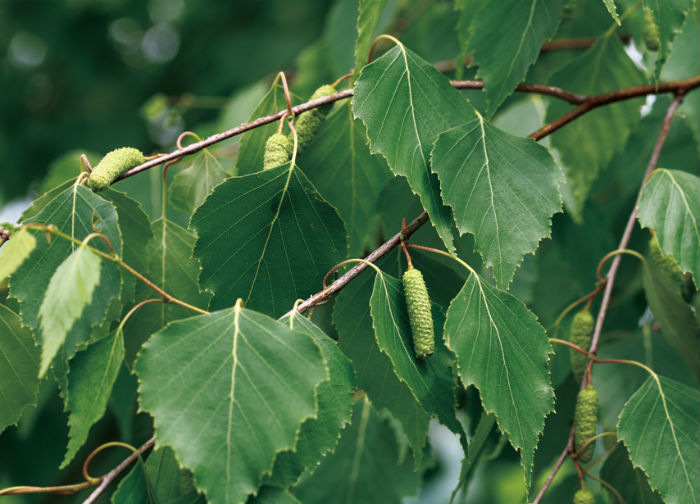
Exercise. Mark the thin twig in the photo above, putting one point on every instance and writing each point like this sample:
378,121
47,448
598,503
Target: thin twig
554,472
612,272
554,91
108,478
347,277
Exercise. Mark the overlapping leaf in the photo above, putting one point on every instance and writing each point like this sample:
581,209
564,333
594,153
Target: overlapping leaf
432,380
405,104
502,189
341,167
365,467
369,14
503,350
670,204
15,251
192,185
227,392
93,372
661,430
604,131
631,483
504,60
267,238
669,17
373,369
19,366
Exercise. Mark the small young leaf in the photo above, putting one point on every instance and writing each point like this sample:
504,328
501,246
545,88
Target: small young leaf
15,251
69,292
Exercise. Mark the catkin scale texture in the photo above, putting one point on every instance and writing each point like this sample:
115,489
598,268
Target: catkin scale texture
419,312
311,121
278,150
114,164
650,31
585,421
581,335
584,497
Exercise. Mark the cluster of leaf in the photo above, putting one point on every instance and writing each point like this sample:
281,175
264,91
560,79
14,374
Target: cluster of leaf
250,401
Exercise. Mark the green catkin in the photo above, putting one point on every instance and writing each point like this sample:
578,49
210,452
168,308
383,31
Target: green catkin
650,31
581,335
585,421
278,150
419,312
311,121
114,164
583,496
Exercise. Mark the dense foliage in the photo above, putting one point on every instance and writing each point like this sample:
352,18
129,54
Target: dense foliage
190,307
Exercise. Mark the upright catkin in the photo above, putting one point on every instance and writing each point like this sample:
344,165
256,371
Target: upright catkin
311,121
581,335
585,421
114,164
278,150
419,312
650,31
583,496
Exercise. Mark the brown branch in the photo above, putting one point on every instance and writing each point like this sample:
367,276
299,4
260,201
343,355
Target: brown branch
592,102
554,91
347,277
557,466
108,478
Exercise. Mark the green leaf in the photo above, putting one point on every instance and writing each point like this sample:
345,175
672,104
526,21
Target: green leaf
227,393
612,9
678,324
587,144
318,435
19,366
503,189
93,372
273,495
340,34
76,211
250,153
369,14
669,16
14,252
341,167
373,369
159,480
504,60
366,466
405,104
268,238
670,204
68,293
631,483
503,350
432,380
192,185
660,427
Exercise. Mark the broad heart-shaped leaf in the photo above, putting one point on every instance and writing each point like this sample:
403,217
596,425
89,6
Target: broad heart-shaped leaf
373,369
15,251
191,186
19,366
631,483
432,380
504,60
267,238
670,204
76,211
369,14
228,391
661,430
669,16
405,104
318,435
366,466
70,290
602,68
339,164
674,315
503,350
502,189
93,372
159,480
250,153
